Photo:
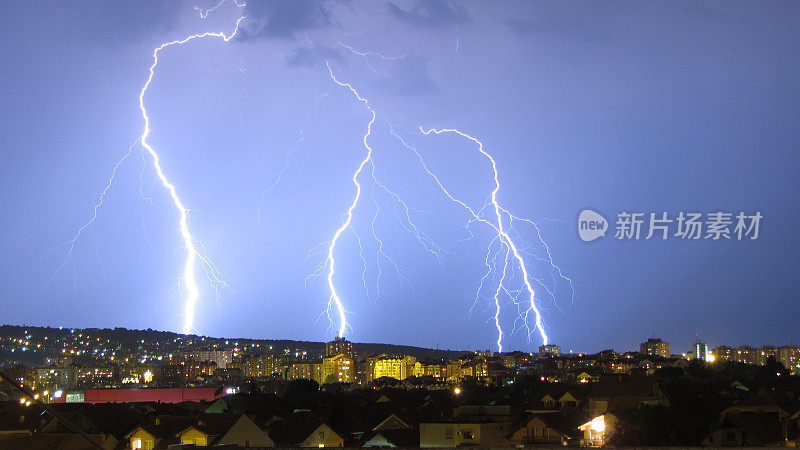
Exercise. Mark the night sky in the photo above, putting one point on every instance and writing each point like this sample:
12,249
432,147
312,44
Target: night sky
610,106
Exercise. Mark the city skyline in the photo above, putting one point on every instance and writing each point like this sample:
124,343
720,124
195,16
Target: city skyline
442,166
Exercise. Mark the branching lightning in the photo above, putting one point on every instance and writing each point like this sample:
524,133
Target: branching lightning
502,231
70,245
189,242
503,261
503,236
194,248
506,279
334,300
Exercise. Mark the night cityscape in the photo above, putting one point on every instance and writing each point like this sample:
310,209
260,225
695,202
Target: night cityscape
339,393
399,223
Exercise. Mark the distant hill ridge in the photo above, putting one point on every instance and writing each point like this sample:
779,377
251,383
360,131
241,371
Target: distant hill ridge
130,336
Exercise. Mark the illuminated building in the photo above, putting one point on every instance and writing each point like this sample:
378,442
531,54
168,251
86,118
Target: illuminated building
338,369
306,370
515,359
339,346
398,368
430,370
789,356
173,375
699,351
594,432
53,378
145,374
477,368
197,370
220,357
262,365
549,350
95,376
655,347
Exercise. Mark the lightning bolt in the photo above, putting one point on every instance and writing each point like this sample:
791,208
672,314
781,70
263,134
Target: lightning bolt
503,235
192,253
502,232
511,255
205,12
70,244
335,300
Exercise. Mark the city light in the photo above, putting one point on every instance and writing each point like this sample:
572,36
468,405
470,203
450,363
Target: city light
598,424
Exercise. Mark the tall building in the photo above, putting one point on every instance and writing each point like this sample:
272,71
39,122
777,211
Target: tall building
789,356
655,347
338,369
259,365
221,357
339,346
549,350
699,351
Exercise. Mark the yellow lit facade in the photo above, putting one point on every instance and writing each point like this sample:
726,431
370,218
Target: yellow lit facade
429,370
338,369
392,367
305,371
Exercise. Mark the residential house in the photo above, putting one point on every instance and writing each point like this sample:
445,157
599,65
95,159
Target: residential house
552,428
222,429
323,436
618,392
393,432
760,421
461,434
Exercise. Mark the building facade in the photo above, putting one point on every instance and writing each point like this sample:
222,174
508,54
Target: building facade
655,347
339,346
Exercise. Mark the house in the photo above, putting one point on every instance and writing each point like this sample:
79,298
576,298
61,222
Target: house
393,422
157,433
552,428
618,392
560,397
461,434
222,429
323,436
402,438
305,429
393,432
204,430
747,430
763,420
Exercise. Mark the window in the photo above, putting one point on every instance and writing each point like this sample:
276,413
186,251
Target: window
467,434
448,433
137,443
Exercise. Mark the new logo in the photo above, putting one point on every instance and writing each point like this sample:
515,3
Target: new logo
591,225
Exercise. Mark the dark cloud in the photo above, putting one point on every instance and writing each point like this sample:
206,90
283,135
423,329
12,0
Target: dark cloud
409,76
314,56
283,19
431,14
